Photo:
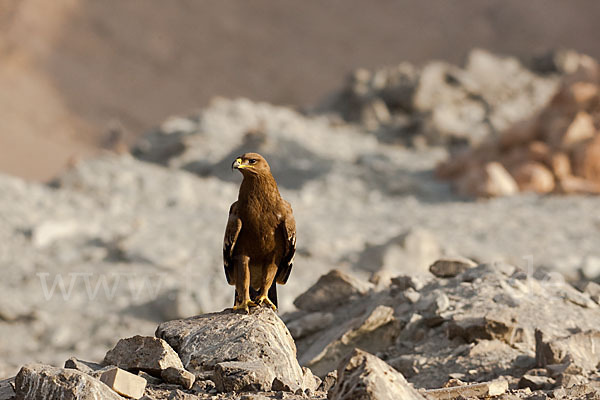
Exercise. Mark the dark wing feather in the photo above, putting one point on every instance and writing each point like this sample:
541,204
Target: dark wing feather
288,229
232,231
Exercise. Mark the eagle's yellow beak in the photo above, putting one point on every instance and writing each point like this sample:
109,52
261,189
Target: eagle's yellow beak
237,164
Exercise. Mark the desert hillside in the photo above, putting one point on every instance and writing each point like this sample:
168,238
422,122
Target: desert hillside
73,72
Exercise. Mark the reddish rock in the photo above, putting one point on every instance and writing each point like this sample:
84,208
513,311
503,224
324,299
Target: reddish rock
584,92
534,177
573,184
520,133
586,160
490,180
556,151
561,165
581,129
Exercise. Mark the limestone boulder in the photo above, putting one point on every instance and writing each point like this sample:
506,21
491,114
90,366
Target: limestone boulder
244,352
145,353
363,376
38,381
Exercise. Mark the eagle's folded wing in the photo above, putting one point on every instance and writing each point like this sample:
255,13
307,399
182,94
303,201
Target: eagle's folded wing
232,231
288,230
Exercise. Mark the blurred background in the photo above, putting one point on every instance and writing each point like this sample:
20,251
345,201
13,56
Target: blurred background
73,71
400,132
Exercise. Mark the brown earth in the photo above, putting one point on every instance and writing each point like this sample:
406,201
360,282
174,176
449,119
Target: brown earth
72,71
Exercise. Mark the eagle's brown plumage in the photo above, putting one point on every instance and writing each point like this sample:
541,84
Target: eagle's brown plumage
260,238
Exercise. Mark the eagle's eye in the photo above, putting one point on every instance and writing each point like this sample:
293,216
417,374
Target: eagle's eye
252,161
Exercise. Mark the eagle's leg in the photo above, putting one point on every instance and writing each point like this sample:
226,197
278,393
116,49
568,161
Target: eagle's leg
242,286
268,278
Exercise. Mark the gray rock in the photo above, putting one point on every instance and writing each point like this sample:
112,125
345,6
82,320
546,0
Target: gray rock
569,380
534,382
579,349
204,387
279,386
149,378
404,282
247,376
310,323
7,389
411,295
172,392
310,382
178,377
225,342
499,325
407,364
331,290
98,373
38,381
450,267
83,366
374,330
433,303
328,381
145,353
593,290
392,86
364,376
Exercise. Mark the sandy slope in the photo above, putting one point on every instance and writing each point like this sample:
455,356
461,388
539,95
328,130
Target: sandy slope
70,69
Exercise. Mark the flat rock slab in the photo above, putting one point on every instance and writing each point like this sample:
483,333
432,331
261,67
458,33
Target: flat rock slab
227,341
38,381
477,390
124,383
363,376
145,353
451,267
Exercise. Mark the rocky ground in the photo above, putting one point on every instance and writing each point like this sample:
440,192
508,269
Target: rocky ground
121,243
469,331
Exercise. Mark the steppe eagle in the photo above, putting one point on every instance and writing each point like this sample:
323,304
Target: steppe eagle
260,237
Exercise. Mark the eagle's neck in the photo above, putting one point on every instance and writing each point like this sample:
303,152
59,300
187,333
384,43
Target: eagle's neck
259,190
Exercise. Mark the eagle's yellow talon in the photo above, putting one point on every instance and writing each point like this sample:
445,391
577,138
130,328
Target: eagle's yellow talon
244,306
265,300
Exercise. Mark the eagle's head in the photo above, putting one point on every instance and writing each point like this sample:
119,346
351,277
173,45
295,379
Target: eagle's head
251,163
